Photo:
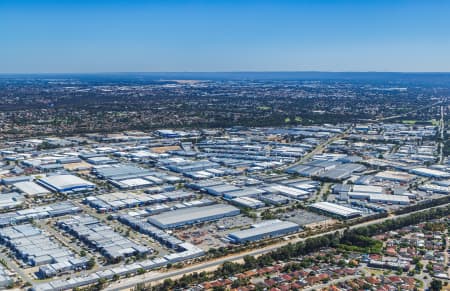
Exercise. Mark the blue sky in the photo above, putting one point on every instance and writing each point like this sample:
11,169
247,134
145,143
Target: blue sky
136,36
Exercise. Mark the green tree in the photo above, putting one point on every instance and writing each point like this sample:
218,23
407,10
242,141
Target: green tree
90,264
435,285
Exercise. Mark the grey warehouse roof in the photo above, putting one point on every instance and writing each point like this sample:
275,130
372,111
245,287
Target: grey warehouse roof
189,215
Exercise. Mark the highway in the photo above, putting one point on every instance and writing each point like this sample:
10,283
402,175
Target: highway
127,283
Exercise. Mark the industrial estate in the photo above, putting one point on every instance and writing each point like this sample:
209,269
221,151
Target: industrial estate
349,204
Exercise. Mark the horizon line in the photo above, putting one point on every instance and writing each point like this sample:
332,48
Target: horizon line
221,72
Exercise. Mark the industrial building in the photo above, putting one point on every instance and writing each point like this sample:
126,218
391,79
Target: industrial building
274,199
335,210
11,200
248,202
35,248
287,191
16,179
5,277
221,189
342,171
66,183
267,229
432,173
395,176
125,176
194,215
30,188
389,199
117,200
39,212
245,192
101,237
120,172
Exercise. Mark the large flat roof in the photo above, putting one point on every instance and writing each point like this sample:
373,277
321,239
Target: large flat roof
31,188
336,209
61,182
265,228
186,215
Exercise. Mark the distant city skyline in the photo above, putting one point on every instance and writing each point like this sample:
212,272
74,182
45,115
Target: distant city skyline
94,36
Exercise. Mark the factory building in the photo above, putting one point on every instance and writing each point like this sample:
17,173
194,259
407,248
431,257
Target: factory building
193,215
66,183
102,237
432,173
35,248
290,192
389,199
275,199
16,179
245,192
248,202
395,176
267,229
335,210
30,188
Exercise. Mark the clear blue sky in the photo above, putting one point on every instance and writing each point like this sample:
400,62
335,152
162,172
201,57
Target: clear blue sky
228,35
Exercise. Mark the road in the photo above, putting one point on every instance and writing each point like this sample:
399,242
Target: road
13,266
318,149
159,276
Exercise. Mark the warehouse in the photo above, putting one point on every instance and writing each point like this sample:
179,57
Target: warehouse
126,176
188,216
389,199
117,200
305,170
34,247
101,160
102,237
248,202
395,176
275,199
121,172
245,192
191,166
434,188
425,172
5,277
342,171
38,212
132,183
220,190
368,189
290,192
66,183
267,229
31,189
379,198
16,179
335,210
11,200
307,185
202,185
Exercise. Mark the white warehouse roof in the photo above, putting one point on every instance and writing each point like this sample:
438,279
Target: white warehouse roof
65,183
336,209
31,188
